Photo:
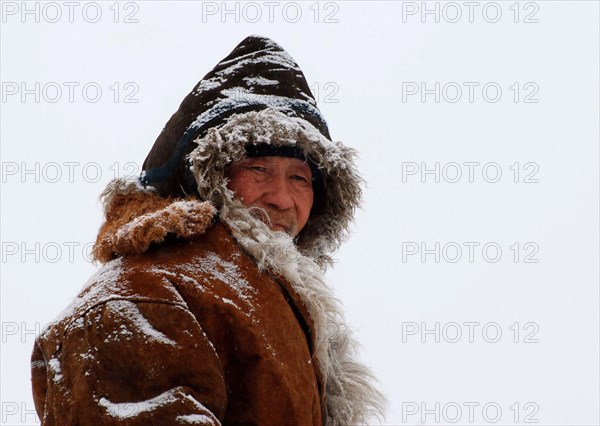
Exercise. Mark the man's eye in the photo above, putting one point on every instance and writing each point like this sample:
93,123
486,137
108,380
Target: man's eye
300,178
257,169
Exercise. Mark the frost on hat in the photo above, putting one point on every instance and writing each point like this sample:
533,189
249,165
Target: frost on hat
256,75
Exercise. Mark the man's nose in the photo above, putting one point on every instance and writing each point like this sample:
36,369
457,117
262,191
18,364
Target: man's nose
278,193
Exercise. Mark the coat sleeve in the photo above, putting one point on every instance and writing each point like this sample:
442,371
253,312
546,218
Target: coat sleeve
128,362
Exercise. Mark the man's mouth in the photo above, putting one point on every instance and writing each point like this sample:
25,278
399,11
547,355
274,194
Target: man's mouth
279,224
279,227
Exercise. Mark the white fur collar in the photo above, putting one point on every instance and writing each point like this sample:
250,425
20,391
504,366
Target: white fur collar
350,395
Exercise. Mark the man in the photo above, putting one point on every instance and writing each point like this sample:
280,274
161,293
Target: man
211,306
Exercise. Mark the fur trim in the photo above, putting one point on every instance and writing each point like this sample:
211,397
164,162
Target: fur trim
350,395
137,217
328,225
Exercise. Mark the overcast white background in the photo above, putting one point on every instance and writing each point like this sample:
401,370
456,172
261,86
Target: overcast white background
363,61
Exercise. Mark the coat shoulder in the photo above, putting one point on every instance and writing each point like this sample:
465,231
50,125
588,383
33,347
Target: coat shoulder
163,274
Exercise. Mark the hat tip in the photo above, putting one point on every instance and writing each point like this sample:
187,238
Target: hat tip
257,38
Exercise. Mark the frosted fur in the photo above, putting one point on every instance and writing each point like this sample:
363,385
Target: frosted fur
136,218
326,228
351,397
122,186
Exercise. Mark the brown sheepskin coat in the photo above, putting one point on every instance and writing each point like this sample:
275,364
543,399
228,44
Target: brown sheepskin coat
178,327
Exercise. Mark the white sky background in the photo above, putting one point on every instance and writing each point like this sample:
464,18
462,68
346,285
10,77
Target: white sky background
361,67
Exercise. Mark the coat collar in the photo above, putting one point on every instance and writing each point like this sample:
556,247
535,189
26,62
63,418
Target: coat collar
137,217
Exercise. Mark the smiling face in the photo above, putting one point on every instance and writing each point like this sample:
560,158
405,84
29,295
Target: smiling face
280,185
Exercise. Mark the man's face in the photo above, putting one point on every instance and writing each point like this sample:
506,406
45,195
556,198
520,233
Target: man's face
280,185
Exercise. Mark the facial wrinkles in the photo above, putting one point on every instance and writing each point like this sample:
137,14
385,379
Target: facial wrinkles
284,218
269,190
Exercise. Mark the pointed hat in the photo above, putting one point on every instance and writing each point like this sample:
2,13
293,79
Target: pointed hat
257,74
